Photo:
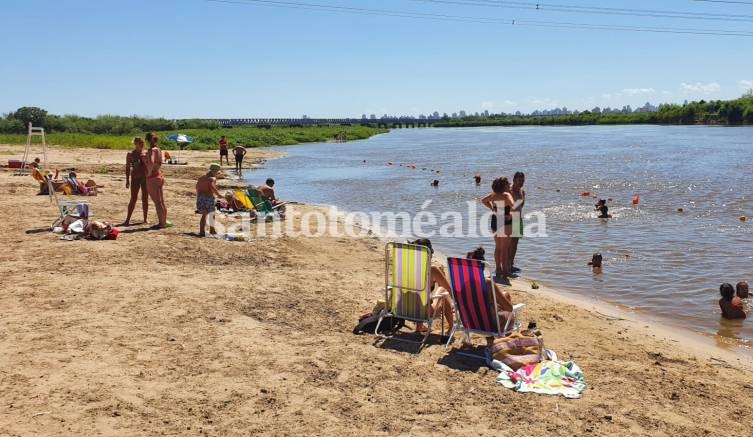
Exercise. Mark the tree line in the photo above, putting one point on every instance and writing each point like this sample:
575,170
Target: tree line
715,112
16,122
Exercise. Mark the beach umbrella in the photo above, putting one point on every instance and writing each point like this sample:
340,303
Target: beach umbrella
181,138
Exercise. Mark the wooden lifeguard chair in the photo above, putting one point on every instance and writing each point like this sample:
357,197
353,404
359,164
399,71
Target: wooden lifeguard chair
33,131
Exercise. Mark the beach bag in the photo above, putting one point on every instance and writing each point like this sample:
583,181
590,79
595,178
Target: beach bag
517,350
367,323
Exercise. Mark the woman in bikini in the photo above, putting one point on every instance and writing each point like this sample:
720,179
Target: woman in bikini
136,178
155,181
501,196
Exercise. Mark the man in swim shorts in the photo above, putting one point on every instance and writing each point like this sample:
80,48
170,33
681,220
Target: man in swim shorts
206,189
223,150
239,152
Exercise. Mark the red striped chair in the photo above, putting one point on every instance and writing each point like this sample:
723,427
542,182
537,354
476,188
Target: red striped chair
475,303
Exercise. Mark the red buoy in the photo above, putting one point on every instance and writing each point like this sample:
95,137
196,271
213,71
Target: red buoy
636,199
586,193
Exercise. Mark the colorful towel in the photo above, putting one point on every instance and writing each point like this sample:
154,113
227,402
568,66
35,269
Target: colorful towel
546,377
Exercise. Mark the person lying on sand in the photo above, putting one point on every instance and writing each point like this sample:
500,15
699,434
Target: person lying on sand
731,305
206,190
504,300
439,286
88,189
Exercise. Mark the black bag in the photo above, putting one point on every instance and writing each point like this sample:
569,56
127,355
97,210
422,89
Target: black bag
368,323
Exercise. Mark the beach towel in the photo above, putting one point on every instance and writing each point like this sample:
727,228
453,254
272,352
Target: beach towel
546,377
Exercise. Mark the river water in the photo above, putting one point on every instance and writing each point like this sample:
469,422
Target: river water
657,260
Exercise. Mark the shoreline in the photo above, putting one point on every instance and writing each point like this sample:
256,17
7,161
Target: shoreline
164,332
700,343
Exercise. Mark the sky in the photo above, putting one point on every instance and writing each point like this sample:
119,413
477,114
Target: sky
246,58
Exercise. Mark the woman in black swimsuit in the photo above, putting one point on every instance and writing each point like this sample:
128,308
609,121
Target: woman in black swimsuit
500,196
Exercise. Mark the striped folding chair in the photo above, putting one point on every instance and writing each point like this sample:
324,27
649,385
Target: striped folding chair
407,290
476,303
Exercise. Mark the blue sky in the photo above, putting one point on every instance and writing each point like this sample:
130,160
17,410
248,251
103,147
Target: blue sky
197,58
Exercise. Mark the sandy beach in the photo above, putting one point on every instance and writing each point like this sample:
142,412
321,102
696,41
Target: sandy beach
164,333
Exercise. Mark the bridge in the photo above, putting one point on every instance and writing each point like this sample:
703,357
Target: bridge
268,123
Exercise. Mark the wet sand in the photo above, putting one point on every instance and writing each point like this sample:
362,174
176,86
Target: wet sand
161,332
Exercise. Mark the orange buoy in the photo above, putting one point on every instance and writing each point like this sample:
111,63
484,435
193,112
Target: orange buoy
680,210
586,193
743,218
636,199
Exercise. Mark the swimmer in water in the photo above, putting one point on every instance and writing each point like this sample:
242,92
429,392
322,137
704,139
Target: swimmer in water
731,305
603,209
595,263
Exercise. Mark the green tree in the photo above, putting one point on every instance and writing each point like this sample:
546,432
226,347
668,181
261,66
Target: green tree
30,114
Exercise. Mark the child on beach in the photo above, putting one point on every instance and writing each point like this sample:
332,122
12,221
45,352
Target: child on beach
731,305
741,290
206,189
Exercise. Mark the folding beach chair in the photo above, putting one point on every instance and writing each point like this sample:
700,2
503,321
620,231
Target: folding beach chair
407,290
68,208
476,303
264,208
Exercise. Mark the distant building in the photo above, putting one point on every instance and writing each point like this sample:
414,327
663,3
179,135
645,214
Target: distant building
461,114
372,116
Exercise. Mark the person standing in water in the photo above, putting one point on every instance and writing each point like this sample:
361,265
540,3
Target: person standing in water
519,196
155,181
136,179
239,152
501,197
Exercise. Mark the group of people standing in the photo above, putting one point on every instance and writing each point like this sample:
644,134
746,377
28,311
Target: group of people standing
238,151
506,201
144,175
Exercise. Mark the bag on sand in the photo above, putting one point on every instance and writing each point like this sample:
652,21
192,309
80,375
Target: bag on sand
517,350
367,323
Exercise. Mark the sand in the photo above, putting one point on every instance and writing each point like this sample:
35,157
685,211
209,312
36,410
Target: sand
161,332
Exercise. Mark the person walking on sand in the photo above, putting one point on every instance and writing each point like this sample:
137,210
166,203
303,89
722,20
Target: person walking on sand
239,152
206,190
223,150
155,181
501,197
136,179
519,196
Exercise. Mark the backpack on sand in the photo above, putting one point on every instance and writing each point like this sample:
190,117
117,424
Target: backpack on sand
367,323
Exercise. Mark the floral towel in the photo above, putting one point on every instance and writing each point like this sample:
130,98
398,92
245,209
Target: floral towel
546,377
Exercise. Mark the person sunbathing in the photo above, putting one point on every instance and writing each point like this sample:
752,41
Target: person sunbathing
731,305
440,291
87,189
504,310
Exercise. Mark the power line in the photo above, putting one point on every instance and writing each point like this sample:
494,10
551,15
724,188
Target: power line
482,20
726,1
597,10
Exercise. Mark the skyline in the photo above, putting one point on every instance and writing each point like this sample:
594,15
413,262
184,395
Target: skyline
238,59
